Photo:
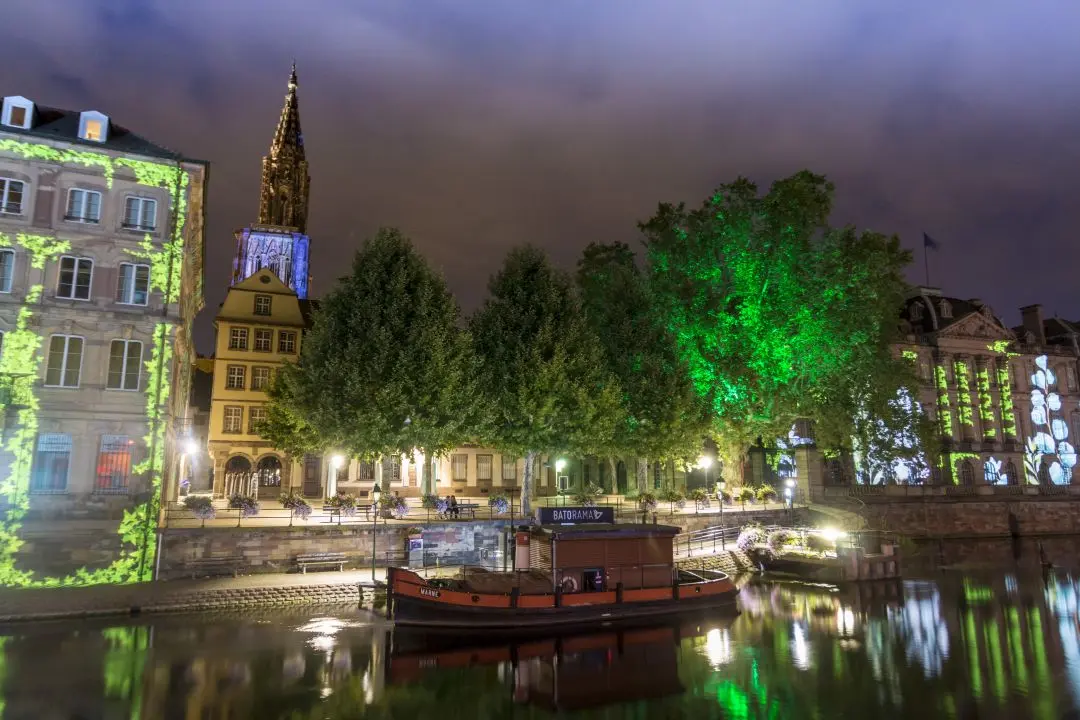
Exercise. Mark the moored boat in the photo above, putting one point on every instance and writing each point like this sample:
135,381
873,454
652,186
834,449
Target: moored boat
572,575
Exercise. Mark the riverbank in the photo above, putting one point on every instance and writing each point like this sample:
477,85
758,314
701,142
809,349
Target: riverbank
267,590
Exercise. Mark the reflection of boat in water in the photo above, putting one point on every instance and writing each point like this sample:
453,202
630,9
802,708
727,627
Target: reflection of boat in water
564,673
577,575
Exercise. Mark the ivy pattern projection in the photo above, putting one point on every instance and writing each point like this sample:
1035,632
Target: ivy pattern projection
1049,442
22,358
986,402
944,412
1008,413
963,393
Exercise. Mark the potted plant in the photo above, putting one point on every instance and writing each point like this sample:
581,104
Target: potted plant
499,504
674,498
700,498
744,493
246,504
777,539
647,502
344,503
201,507
765,493
297,504
584,498
749,537
392,506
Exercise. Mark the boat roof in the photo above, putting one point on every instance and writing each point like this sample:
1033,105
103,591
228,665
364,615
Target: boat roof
600,531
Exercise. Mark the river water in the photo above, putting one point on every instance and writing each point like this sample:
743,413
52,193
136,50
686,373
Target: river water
960,644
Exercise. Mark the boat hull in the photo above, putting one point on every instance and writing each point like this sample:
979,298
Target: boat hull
413,603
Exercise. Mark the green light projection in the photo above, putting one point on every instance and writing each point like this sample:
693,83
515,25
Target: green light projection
1008,416
963,393
21,359
944,412
986,403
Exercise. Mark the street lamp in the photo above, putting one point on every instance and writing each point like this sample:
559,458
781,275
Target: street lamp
336,461
375,492
560,465
789,496
720,485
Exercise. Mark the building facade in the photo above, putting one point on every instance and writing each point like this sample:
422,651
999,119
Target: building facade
1005,401
101,260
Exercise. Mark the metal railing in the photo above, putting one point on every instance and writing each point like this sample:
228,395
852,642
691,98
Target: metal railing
704,542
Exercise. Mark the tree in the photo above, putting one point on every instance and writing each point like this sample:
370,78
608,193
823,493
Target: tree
284,427
778,315
662,415
385,367
541,373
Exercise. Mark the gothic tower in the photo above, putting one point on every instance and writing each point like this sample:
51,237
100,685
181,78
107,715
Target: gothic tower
278,241
283,200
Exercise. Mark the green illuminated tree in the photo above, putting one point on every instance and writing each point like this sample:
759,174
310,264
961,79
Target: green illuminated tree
778,315
542,375
385,367
662,415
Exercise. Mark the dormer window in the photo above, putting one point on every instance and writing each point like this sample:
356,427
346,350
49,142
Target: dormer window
946,309
93,126
916,312
17,112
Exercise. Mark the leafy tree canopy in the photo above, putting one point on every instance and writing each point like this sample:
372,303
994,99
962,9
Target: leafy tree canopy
778,315
662,415
385,367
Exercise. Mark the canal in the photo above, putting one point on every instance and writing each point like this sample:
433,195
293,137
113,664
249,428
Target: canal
960,644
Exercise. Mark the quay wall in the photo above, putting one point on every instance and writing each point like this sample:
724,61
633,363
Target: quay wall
972,518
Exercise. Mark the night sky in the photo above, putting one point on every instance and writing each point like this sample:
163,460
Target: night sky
475,126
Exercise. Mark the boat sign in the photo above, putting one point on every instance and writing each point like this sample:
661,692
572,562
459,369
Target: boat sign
575,515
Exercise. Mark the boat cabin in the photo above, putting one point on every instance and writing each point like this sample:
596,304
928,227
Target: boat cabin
597,558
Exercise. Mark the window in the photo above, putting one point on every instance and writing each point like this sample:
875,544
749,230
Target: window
286,342
75,276
256,415
946,309
264,340
140,214
509,468
51,461
367,470
1011,478
11,196
238,339
916,311
93,126
113,465
1070,376
234,419
235,376
967,474
125,359
7,270
134,286
260,378
83,206
65,361
459,465
483,467
262,304
17,111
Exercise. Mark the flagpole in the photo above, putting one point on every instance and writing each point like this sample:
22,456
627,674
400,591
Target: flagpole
926,261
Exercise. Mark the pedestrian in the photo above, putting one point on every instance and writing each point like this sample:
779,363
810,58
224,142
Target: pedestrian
453,506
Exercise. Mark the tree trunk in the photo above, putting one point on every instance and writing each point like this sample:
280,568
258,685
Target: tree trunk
527,484
613,480
642,475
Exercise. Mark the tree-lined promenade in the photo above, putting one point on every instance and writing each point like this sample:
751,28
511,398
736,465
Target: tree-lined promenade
748,313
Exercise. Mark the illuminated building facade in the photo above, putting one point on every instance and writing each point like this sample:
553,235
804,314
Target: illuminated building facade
1006,402
101,255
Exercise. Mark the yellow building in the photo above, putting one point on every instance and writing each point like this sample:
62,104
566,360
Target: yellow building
260,326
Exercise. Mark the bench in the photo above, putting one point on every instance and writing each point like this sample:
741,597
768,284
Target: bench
462,509
319,560
331,512
214,566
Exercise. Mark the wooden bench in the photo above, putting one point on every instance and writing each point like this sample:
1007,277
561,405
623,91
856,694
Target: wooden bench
362,511
461,509
214,566
319,560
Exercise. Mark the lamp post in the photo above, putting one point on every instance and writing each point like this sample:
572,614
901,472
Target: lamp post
720,485
336,461
560,465
705,462
789,497
375,492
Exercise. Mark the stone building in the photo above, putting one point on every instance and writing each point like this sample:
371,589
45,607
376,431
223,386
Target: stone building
1005,401
101,260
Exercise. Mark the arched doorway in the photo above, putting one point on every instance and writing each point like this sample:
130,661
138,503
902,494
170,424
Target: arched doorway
268,473
238,477
967,474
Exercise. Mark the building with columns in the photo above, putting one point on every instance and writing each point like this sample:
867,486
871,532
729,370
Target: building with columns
1005,401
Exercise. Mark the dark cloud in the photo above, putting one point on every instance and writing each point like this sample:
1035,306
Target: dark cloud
478,126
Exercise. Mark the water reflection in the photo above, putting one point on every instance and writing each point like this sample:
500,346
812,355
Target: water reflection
989,646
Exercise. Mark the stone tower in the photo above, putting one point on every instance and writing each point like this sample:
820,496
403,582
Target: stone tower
283,199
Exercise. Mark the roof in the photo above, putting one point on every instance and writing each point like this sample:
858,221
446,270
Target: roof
58,124
932,320
308,309
603,532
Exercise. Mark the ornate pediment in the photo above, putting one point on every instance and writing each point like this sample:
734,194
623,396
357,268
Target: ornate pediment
981,326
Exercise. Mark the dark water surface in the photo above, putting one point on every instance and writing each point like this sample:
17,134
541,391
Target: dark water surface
960,645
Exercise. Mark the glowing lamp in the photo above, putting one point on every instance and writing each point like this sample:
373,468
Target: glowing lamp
560,465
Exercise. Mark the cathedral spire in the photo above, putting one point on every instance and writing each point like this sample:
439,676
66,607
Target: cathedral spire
283,199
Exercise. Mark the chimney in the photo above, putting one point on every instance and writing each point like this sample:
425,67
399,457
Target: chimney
1033,322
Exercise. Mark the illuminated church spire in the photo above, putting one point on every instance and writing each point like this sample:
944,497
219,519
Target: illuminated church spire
283,199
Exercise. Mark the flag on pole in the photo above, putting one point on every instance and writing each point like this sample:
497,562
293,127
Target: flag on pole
929,242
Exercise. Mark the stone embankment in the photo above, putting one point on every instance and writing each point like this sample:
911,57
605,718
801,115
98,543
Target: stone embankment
732,562
256,591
